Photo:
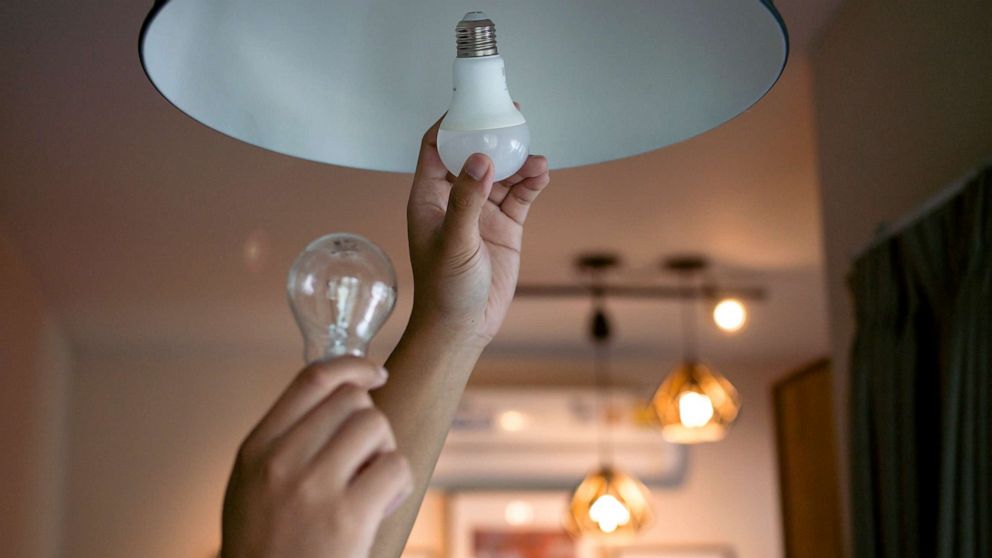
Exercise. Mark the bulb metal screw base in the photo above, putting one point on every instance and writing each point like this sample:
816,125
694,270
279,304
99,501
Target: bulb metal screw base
475,35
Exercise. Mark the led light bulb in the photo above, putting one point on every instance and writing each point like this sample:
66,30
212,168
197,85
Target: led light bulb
730,315
341,288
518,512
482,117
695,409
609,513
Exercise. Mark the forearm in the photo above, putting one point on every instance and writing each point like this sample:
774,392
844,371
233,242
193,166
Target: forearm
428,373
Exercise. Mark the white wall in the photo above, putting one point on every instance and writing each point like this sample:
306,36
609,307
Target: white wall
903,94
34,368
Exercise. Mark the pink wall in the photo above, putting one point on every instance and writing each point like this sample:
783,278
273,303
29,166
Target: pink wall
34,370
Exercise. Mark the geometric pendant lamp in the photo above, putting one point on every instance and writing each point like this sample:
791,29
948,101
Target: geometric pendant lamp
694,403
608,502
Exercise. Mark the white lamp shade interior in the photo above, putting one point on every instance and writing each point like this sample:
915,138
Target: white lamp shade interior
356,82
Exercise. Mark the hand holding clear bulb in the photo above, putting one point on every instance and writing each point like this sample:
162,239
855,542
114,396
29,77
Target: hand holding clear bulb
482,117
321,470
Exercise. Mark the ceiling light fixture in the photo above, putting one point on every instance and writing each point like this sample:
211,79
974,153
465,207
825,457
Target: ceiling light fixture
694,403
518,512
513,421
356,83
730,315
607,501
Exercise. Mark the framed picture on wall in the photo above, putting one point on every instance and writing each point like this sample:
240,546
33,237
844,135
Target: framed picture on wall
670,551
517,524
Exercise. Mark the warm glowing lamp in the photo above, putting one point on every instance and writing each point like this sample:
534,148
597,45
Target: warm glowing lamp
730,315
607,502
695,404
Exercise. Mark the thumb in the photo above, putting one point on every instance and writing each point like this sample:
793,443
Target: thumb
468,196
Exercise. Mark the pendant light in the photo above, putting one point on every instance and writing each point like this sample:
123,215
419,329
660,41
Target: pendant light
608,501
694,403
356,83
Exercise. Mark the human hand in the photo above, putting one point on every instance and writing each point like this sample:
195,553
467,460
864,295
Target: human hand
320,471
465,235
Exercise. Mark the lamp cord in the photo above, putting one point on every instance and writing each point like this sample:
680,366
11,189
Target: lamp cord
689,354
600,333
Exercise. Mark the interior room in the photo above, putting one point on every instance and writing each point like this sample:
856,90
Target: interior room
752,316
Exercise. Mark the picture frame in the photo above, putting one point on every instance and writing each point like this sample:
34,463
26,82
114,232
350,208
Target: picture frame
480,520
670,551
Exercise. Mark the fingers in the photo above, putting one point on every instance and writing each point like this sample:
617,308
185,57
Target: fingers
534,166
305,438
382,486
429,165
431,184
312,385
468,195
363,435
517,202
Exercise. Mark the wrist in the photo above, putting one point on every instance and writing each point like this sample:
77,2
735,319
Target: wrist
444,332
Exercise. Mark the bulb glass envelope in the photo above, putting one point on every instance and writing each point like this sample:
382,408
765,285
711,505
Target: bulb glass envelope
355,83
694,384
608,502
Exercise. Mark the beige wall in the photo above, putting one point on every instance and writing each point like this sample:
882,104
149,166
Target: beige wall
153,436
904,107
152,439
34,368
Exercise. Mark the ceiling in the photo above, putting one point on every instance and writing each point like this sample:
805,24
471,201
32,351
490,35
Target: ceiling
150,232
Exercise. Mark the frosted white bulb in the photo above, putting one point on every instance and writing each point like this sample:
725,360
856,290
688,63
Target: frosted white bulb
341,288
695,409
482,117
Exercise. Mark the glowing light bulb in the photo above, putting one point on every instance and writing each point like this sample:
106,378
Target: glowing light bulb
695,409
518,512
341,288
482,117
609,513
730,315
513,421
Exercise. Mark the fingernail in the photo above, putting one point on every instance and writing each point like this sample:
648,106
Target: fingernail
397,502
477,165
383,374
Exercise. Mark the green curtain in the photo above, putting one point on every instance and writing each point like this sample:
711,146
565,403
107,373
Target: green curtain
921,385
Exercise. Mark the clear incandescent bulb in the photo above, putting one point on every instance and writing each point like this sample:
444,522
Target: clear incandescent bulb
482,117
341,288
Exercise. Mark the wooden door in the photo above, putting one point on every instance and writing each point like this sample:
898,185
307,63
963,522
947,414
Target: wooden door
807,460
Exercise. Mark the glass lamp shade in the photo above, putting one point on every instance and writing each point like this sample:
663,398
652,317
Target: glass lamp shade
608,503
695,404
357,83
